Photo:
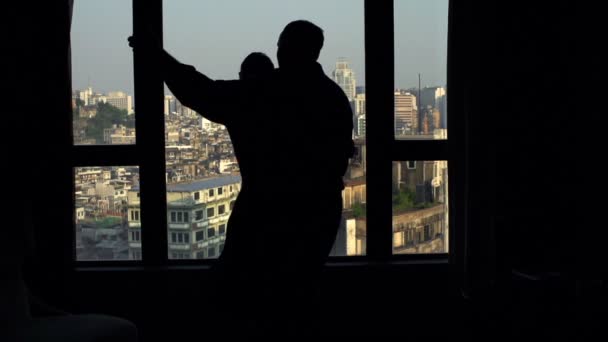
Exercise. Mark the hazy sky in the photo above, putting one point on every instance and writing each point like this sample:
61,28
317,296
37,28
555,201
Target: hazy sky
215,36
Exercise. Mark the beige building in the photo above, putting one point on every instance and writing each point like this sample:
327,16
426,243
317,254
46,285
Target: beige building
406,112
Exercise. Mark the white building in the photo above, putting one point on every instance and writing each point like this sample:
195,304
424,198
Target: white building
170,105
406,112
197,217
120,100
344,76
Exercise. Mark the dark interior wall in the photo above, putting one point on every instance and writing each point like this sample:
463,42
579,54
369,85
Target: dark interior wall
523,128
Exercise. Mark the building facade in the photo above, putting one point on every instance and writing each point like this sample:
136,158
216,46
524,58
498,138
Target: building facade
197,217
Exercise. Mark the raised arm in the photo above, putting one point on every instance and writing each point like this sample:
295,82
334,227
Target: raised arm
215,100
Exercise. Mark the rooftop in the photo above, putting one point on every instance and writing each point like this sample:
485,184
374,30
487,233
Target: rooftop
203,184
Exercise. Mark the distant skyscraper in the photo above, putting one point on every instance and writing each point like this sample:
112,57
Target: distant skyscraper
361,125
360,104
406,112
344,76
169,104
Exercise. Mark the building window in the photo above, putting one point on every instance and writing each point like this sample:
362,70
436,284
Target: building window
411,164
222,229
211,193
198,215
211,252
220,191
135,236
186,217
180,216
180,237
210,212
210,233
197,196
200,235
173,216
221,248
200,255
221,209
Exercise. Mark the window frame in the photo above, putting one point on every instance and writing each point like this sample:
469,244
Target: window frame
148,152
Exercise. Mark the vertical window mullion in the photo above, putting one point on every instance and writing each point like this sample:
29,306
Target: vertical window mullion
149,89
379,65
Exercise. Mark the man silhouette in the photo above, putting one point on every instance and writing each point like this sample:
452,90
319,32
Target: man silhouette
292,136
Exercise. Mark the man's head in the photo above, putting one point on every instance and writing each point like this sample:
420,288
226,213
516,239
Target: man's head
300,42
255,65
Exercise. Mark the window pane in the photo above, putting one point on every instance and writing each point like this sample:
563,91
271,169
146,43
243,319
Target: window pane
102,73
421,28
107,213
420,207
200,154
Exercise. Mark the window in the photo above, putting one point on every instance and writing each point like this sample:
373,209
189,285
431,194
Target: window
405,78
102,87
200,255
342,59
200,235
180,237
135,236
420,201
179,255
420,70
211,252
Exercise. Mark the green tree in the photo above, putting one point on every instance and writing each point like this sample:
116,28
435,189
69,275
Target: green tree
358,210
107,115
403,199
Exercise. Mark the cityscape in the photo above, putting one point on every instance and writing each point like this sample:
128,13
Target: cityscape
203,180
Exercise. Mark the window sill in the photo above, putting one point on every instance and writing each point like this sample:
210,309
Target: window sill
335,263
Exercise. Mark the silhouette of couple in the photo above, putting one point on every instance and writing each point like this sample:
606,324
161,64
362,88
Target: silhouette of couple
291,129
